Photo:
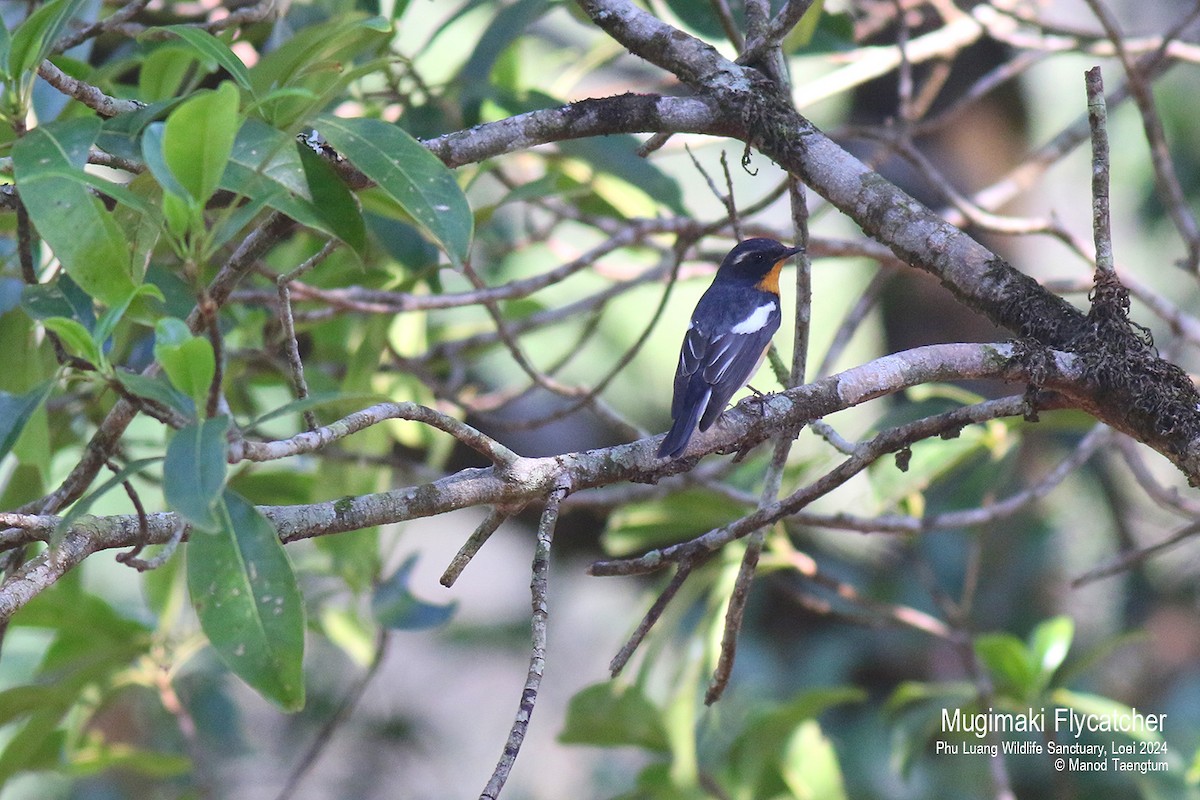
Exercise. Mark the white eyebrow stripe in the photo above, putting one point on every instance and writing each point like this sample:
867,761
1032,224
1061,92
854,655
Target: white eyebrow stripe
755,322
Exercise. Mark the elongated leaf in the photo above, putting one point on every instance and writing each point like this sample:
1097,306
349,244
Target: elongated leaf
245,594
5,46
80,231
159,390
35,37
333,201
15,411
314,62
109,319
156,162
477,74
76,338
264,165
198,138
164,70
212,49
194,472
409,174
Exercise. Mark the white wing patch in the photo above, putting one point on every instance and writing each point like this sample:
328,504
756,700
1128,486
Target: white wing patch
756,321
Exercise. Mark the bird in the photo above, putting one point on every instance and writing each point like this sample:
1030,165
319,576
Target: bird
728,338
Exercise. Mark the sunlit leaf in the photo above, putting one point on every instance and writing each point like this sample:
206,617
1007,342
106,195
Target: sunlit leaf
187,360
198,139
75,338
1048,646
1008,660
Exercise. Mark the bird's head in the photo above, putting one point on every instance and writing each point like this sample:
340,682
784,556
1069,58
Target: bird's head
757,261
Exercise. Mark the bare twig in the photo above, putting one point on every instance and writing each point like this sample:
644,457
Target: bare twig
495,518
1160,156
1129,558
1098,123
287,322
310,441
537,659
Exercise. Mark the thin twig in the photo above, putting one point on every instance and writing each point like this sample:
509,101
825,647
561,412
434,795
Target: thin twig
538,586
1098,123
494,519
1165,176
651,617
287,322
310,441
1127,559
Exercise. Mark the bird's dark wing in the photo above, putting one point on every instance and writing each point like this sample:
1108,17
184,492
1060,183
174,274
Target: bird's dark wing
713,365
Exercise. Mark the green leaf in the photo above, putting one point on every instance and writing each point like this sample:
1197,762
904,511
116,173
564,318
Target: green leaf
5,48
152,154
1048,645
77,227
35,37
44,300
109,319
303,73
610,714
395,606
198,139
76,338
803,32
213,50
333,201
194,472
758,751
186,359
15,411
245,594
1007,658
809,764
171,332
102,756
163,71
478,73
265,165
409,174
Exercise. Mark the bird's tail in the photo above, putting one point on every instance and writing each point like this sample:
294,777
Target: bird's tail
676,440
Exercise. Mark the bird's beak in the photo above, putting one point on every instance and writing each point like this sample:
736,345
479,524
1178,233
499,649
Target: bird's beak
791,251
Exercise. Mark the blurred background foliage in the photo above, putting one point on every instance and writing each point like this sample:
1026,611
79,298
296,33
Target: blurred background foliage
853,643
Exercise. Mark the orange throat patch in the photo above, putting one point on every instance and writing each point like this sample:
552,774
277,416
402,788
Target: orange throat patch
770,281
